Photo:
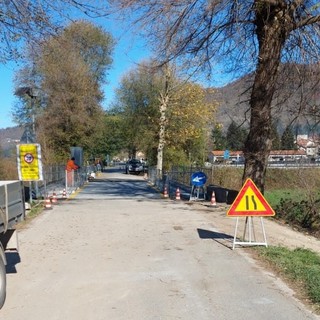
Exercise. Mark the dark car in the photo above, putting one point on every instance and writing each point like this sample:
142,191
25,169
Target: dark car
134,166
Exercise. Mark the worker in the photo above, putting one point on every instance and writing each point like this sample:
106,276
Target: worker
70,167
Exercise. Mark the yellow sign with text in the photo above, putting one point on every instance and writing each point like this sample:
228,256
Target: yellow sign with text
29,162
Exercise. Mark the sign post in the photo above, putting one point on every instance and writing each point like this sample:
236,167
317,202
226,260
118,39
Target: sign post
29,164
198,180
250,203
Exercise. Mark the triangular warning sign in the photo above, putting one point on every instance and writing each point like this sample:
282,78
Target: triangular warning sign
250,202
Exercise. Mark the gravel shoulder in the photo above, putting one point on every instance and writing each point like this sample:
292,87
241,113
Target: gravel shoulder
277,233
116,250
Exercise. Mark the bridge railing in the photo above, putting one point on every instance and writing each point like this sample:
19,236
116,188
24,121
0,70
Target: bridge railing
57,180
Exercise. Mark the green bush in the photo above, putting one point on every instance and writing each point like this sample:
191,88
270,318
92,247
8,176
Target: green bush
301,213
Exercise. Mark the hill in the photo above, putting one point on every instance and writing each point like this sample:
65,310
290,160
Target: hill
296,100
9,138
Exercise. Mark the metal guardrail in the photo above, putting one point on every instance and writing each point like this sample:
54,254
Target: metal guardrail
57,180
273,164
181,176
178,177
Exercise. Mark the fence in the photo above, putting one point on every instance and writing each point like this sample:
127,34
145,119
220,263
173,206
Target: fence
177,177
57,180
180,177
224,180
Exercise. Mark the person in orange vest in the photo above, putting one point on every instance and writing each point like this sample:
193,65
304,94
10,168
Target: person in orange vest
70,167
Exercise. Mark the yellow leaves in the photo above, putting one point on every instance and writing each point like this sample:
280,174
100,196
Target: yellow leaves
189,115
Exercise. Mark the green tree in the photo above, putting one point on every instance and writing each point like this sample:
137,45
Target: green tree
179,113
287,139
189,118
137,104
276,142
70,67
246,36
113,137
218,138
235,137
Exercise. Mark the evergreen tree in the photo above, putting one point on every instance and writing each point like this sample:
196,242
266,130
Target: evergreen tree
287,139
236,137
218,138
276,142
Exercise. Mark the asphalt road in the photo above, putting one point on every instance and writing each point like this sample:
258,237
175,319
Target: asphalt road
117,250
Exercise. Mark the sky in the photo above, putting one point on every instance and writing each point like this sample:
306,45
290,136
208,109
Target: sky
128,52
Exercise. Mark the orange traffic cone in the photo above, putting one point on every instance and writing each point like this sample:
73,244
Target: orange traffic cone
213,199
64,194
54,198
165,192
178,194
47,203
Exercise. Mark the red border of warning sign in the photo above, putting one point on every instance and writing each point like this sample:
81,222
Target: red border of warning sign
233,209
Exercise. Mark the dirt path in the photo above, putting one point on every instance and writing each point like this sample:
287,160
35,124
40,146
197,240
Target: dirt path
118,251
277,234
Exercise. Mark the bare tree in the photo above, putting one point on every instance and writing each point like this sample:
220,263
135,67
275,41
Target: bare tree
28,21
244,36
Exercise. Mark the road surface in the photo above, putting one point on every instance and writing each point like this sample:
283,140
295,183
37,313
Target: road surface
117,251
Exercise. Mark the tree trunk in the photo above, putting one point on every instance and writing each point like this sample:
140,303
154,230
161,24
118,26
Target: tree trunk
271,36
163,108
164,100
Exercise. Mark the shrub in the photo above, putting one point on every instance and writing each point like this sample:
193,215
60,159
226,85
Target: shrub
300,213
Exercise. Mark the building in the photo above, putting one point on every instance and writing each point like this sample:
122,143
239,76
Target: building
275,155
309,144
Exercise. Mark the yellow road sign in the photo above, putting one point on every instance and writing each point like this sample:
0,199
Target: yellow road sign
250,202
29,162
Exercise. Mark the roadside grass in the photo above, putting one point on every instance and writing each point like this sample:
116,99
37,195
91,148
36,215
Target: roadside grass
36,209
275,196
295,196
301,267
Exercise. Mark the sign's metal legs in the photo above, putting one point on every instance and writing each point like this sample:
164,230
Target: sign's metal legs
249,228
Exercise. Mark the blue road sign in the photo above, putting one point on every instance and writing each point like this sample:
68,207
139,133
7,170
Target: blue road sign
198,179
226,154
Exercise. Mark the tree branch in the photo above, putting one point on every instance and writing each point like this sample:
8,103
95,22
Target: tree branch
307,21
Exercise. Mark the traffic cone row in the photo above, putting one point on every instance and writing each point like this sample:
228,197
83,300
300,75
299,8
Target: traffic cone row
64,194
213,199
50,200
166,195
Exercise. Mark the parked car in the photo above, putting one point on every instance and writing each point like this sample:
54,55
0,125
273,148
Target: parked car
134,166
